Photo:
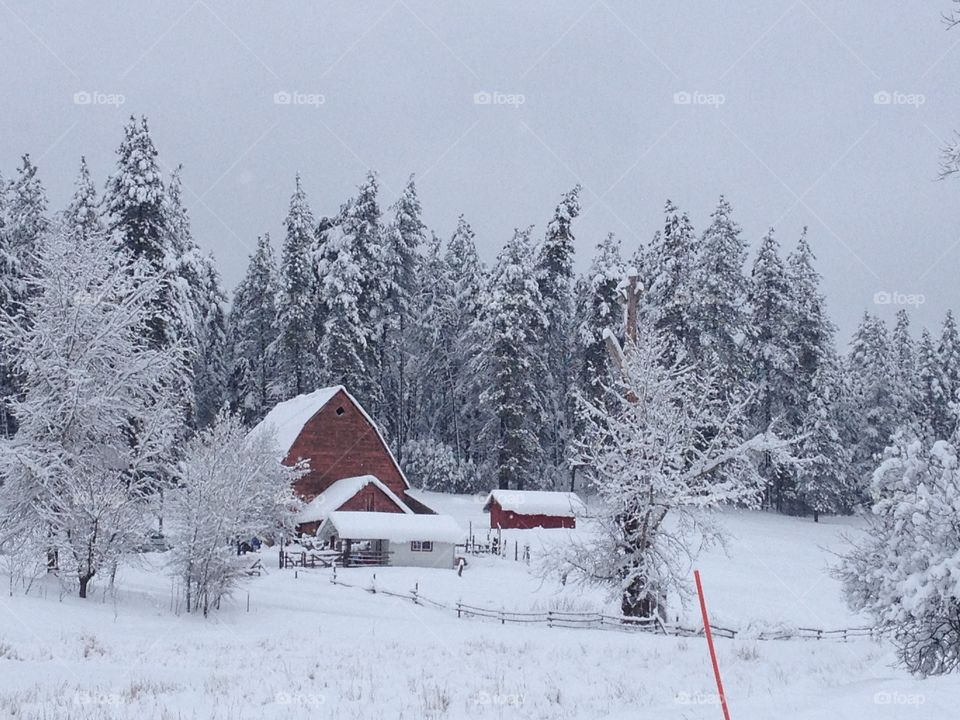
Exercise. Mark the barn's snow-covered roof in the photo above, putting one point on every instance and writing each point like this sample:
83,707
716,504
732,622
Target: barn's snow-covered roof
537,502
290,416
396,527
341,491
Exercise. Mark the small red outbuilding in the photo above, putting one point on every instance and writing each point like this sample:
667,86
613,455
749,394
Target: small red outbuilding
525,509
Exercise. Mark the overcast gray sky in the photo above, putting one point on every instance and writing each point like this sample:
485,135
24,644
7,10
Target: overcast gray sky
772,103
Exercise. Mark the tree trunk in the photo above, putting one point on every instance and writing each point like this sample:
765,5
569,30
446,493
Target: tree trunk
84,581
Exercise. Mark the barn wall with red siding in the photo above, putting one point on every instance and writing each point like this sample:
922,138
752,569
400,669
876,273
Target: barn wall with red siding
509,520
370,498
340,442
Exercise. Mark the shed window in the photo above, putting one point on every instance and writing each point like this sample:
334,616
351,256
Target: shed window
421,546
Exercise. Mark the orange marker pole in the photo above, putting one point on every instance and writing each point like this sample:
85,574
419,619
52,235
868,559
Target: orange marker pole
713,652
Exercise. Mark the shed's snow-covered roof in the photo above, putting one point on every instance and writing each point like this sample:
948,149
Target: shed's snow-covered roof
341,491
537,502
288,417
396,527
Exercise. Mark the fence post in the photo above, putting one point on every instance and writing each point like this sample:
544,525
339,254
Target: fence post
550,618
458,608
516,550
502,620
416,589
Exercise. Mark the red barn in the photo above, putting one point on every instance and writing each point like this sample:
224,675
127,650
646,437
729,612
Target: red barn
525,509
350,465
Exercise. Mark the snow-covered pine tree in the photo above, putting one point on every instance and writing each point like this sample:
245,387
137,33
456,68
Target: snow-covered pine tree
210,369
771,357
294,350
196,303
872,384
82,216
432,363
343,345
948,353
554,272
668,281
26,214
810,330
97,415
136,203
934,405
905,377
900,570
403,239
720,296
252,332
599,307
465,278
656,475
12,291
512,322
231,489
824,471
352,290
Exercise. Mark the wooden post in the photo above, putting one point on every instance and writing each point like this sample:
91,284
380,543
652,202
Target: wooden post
713,652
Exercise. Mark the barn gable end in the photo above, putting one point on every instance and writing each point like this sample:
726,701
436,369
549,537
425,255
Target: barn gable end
341,441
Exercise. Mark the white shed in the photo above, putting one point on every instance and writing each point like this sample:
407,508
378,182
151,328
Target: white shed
398,539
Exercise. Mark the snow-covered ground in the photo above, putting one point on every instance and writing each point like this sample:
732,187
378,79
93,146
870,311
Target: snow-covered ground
308,648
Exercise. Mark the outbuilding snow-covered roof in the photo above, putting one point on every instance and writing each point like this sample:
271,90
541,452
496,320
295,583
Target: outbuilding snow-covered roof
537,502
341,491
396,527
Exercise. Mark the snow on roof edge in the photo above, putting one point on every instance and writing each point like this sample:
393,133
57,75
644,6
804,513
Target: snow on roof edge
396,527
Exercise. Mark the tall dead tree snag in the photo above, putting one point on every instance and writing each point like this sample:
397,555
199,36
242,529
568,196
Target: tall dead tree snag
631,295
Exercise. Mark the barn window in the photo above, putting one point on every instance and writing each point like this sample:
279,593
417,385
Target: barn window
340,411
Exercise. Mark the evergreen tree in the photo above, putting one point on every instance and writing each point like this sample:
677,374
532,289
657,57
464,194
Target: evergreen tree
555,279
136,203
252,332
668,280
948,352
810,331
771,356
404,239
344,344
935,417
905,376
720,295
295,347
210,370
871,377
466,277
12,292
26,214
822,480
82,216
512,322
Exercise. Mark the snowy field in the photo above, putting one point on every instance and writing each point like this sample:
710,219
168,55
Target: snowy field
308,648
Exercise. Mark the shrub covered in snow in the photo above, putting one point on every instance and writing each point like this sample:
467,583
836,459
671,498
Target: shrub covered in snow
231,489
906,570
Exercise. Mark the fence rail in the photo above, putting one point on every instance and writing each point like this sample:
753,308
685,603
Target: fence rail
601,621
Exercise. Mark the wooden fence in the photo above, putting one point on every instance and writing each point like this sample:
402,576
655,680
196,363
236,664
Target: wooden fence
600,621
333,558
